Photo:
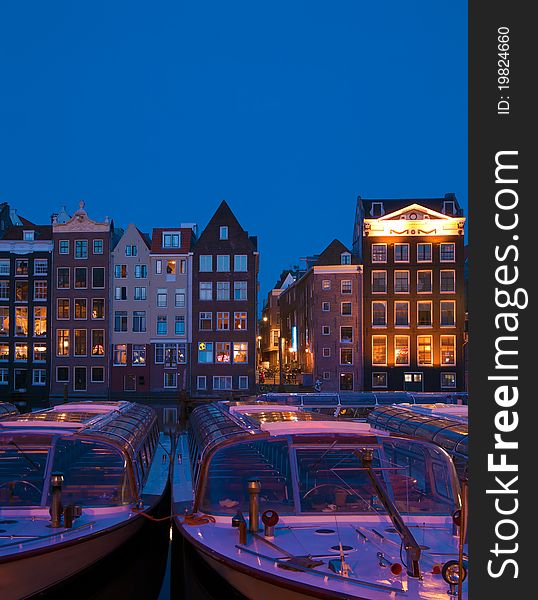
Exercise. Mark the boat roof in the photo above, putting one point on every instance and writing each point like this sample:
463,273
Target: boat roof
7,410
223,423
123,424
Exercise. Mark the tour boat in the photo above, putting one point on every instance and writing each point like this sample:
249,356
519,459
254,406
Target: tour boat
289,504
8,410
76,481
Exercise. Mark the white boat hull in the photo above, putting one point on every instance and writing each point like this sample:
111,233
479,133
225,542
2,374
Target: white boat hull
27,575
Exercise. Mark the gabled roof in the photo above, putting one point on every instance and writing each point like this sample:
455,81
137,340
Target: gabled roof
394,205
187,240
225,215
331,255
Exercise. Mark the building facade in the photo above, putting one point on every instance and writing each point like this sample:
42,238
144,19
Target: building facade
321,321
81,306
25,276
414,312
171,273
224,308
130,313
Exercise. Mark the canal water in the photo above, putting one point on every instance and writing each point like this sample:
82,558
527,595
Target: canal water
154,565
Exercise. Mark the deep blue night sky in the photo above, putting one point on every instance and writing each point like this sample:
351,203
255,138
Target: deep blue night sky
154,112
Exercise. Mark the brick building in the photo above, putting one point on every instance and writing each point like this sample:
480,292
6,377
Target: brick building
81,306
414,312
25,271
171,272
321,326
224,308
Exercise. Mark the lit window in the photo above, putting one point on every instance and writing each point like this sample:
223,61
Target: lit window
81,309
120,355
346,356
40,352
222,352
98,342
120,271
4,352
326,284
62,342
240,352
40,321
139,355
21,267
240,320
448,350
98,308
21,351
379,350
401,350
223,321
21,291
425,350
4,320
21,320
171,267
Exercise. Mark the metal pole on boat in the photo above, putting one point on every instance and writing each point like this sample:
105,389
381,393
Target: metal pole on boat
56,480
254,487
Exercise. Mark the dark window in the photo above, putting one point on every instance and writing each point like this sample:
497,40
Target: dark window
98,277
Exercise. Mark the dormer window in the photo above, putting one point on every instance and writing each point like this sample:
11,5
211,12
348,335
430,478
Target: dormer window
171,240
377,209
449,207
345,258
28,236
223,235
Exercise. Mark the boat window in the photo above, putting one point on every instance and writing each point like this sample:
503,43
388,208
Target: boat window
333,479
230,469
424,481
94,474
22,470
